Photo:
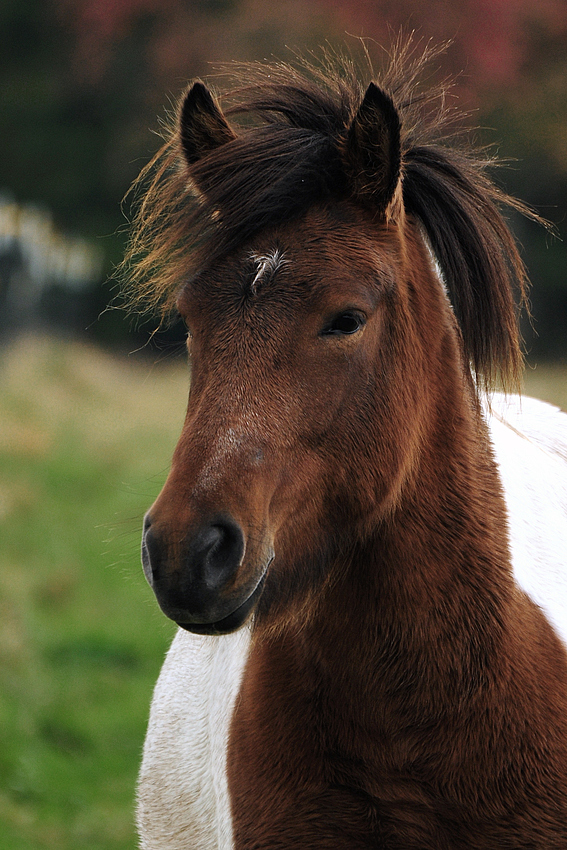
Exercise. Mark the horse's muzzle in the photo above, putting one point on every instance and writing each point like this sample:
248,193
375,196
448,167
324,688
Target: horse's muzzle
198,582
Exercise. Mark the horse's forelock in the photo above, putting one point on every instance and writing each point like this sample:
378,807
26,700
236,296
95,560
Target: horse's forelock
288,154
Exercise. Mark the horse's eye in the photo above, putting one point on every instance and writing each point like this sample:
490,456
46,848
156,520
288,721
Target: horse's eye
345,323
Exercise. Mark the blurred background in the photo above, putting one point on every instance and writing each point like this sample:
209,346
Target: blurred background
89,412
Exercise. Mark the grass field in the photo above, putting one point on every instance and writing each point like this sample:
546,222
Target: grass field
85,442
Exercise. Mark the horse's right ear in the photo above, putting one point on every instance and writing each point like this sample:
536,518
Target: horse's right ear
202,126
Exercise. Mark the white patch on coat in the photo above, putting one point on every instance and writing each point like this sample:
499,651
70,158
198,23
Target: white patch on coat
183,797
530,442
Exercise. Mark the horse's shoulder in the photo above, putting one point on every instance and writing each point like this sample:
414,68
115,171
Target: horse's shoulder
530,445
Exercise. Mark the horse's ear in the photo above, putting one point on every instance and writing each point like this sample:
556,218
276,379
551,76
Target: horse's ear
372,154
202,126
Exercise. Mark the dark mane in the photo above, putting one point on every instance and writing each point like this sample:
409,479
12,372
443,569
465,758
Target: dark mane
290,125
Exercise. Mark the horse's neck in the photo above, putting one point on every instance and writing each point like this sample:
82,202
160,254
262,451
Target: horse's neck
429,593
408,658
444,553
432,582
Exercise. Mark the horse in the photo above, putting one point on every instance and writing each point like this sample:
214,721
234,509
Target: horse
361,541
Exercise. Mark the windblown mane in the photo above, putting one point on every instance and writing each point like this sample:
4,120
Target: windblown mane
290,125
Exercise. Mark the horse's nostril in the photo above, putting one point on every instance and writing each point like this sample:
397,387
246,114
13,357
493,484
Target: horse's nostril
211,539
191,576
219,548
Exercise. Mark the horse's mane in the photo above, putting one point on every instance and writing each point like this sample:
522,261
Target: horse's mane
290,122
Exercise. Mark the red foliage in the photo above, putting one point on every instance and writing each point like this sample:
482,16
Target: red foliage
496,43
494,40
184,36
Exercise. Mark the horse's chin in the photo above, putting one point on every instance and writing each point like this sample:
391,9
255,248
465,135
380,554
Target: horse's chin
232,622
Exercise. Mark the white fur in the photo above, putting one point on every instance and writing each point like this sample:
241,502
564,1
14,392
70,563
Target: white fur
530,442
183,794
267,265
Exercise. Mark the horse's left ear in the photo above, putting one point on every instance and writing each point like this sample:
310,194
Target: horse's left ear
372,154
202,126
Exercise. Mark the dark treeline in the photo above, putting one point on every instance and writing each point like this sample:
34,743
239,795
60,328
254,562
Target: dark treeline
85,82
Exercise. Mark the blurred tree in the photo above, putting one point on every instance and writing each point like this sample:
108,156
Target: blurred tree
84,82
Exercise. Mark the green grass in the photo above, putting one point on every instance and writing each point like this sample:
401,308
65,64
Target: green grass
85,443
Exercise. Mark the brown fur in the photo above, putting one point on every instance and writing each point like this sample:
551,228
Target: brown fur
401,692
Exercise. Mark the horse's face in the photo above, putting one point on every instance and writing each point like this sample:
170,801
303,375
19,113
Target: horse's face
297,413
324,352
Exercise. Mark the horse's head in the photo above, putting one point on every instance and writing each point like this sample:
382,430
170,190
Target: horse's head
321,340
290,338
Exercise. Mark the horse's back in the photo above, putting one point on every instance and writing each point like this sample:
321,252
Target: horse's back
530,444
